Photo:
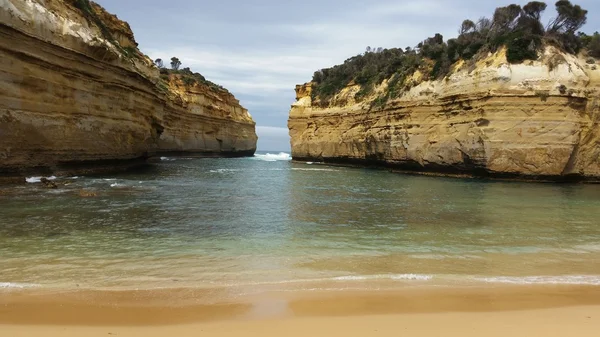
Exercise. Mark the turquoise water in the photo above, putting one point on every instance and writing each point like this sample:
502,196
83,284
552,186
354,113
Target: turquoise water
267,224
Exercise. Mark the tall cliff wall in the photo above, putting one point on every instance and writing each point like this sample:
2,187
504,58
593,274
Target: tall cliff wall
76,91
535,120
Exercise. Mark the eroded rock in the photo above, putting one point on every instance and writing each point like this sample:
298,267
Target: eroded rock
499,119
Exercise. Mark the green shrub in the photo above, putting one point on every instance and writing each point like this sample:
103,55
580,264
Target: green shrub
593,45
522,48
517,28
188,77
189,81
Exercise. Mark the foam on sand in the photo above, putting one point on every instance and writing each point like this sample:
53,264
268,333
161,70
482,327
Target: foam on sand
563,279
394,277
12,285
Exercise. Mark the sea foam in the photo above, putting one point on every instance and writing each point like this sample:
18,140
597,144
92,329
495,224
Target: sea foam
11,285
282,156
564,279
394,277
34,180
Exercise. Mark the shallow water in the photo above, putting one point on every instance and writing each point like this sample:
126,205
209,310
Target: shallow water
267,224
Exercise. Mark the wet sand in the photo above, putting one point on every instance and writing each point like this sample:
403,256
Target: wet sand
414,311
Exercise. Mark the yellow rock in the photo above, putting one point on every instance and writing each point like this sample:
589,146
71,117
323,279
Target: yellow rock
87,194
71,94
533,120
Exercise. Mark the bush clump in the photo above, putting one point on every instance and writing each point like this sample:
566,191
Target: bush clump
89,13
187,76
518,29
591,43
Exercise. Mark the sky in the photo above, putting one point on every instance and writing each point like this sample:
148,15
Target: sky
260,49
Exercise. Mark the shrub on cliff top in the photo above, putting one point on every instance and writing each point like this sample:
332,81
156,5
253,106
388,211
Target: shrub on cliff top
186,75
591,43
518,29
89,13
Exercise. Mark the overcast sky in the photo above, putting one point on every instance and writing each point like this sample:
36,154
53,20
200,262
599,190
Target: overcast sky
260,49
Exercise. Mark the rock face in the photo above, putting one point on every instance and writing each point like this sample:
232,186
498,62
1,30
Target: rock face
536,120
76,92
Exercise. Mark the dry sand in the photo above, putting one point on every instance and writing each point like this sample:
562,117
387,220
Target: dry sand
568,321
493,311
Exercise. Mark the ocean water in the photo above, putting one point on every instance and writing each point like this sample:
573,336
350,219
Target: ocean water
266,224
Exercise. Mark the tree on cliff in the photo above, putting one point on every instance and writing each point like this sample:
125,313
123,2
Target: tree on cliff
175,63
159,63
517,29
570,18
535,9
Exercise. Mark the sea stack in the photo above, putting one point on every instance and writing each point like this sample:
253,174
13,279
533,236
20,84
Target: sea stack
77,95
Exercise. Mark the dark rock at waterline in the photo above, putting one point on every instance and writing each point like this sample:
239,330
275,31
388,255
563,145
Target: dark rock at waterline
48,184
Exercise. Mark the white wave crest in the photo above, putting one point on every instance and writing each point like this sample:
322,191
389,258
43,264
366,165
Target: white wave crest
225,170
167,159
395,277
11,285
565,279
392,277
314,169
34,180
282,156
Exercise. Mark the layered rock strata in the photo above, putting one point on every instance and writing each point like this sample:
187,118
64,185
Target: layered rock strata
75,92
535,120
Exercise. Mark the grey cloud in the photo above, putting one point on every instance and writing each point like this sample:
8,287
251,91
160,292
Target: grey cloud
261,49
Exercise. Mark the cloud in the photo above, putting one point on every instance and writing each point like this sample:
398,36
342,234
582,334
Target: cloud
273,138
261,49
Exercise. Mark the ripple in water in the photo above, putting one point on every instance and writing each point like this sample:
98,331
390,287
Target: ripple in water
269,222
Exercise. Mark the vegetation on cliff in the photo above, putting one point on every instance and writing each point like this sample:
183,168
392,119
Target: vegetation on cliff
186,75
518,29
96,16
91,12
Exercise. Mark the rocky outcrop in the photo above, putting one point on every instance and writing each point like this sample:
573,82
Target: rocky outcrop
535,120
75,92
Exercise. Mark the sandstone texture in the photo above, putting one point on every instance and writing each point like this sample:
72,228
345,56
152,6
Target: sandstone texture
535,120
76,92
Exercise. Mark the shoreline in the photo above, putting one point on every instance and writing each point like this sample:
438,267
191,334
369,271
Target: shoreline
164,307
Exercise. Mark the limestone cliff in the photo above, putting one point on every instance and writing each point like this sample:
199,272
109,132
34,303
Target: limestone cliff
76,92
535,120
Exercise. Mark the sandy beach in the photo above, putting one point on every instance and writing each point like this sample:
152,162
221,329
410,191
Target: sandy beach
567,321
491,311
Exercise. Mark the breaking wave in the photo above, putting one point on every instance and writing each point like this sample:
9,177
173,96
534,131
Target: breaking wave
282,156
34,180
